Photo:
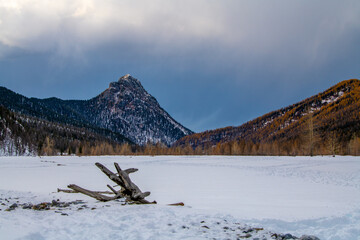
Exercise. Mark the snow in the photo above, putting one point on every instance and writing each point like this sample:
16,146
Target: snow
297,195
332,98
8,146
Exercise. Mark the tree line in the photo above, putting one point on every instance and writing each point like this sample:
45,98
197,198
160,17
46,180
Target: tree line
296,147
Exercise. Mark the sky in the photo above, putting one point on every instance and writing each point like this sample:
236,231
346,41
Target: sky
209,63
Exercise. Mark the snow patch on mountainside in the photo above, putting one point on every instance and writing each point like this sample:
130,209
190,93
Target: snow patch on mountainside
332,98
314,107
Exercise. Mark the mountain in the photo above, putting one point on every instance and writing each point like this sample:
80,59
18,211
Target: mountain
124,111
330,116
127,108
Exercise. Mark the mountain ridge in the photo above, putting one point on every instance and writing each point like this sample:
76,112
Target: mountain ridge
125,108
334,110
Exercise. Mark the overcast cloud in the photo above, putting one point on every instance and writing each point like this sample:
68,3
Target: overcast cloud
209,63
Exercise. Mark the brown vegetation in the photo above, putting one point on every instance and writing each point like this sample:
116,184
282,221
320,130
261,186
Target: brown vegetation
295,147
327,123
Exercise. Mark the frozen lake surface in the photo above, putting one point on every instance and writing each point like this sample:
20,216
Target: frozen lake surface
298,195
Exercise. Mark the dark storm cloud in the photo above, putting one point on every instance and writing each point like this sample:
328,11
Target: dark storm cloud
209,63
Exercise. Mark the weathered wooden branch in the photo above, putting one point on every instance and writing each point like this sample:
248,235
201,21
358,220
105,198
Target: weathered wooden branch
73,191
92,194
112,189
129,190
177,204
111,175
131,170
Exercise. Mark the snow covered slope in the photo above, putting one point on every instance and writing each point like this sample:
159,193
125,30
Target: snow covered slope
127,108
297,195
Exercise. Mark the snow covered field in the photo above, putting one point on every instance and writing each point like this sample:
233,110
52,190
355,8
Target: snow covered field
298,195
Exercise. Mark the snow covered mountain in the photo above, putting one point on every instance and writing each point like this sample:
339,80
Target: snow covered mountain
127,108
124,108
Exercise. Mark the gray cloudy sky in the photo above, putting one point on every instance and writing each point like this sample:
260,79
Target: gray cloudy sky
209,63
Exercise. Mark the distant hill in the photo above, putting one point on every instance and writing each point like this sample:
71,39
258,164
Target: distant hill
124,112
25,135
328,122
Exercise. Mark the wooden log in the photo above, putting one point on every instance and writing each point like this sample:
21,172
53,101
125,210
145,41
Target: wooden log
92,194
129,190
135,193
110,174
73,191
139,201
112,189
126,180
131,170
66,190
141,195
177,204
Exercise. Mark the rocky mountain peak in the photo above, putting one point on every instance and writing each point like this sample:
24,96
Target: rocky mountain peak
127,108
128,79
125,85
126,90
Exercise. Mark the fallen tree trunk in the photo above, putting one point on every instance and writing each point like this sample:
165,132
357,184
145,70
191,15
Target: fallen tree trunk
73,191
129,190
93,194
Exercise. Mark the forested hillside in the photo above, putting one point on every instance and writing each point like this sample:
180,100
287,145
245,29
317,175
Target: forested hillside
327,123
24,135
